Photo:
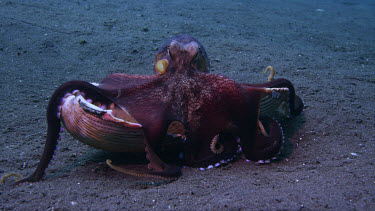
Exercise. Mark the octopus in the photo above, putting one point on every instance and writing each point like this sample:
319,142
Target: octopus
180,113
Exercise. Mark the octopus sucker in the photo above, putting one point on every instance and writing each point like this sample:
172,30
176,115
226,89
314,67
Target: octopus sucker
263,161
216,146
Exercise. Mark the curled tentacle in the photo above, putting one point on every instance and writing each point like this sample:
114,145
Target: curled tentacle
216,146
264,148
5,177
272,73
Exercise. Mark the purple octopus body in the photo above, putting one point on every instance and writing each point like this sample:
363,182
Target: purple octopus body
211,108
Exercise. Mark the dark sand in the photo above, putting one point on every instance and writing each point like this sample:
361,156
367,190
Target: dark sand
326,48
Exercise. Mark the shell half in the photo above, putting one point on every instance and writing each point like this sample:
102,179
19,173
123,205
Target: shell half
111,130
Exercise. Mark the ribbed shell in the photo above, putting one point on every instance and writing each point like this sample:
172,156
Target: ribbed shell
274,102
96,132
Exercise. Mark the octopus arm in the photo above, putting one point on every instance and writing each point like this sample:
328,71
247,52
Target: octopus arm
144,102
54,126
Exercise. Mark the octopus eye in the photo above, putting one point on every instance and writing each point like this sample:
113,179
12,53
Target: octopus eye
161,66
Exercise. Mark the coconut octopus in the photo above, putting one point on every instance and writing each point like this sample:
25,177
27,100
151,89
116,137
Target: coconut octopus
181,112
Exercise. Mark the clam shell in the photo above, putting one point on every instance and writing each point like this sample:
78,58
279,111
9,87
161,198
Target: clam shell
90,128
112,130
275,102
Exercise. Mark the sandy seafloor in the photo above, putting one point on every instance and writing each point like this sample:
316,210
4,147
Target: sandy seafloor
326,48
